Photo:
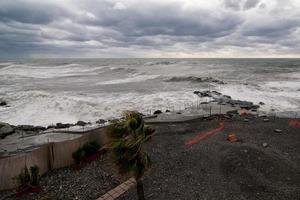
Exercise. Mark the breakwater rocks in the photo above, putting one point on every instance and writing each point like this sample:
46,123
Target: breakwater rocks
8,129
194,79
226,100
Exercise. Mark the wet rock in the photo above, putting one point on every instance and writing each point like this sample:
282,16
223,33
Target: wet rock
81,123
3,103
265,144
25,128
29,128
61,125
157,112
195,79
5,130
51,126
261,103
226,100
40,128
277,130
100,121
168,110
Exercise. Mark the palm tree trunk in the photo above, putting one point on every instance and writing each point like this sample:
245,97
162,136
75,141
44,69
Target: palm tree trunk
140,190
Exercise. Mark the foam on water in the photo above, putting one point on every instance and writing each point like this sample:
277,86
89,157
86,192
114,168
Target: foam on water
277,96
28,71
135,78
46,92
40,108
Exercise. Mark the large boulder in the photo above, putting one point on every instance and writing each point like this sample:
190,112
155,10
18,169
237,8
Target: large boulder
81,123
3,103
25,128
100,121
60,125
5,130
157,112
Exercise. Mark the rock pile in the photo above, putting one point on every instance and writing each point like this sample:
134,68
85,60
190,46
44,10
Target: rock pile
7,129
226,100
195,79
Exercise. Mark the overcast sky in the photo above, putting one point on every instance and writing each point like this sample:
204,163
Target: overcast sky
149,28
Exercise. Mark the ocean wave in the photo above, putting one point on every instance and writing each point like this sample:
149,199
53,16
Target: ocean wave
278,99
28,71
194,79
3,64
43,108
284,85
161,63
137,78
123,69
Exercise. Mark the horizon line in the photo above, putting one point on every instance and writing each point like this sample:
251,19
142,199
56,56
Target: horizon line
150,58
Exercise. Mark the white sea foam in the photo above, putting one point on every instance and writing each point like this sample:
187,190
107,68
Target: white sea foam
37,94
28,71
277,96
135,78
40,108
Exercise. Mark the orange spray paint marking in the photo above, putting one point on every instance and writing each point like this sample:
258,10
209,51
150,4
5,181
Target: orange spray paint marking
294,122
205,134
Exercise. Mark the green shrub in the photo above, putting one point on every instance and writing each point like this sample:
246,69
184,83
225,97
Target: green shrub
77,155
90,148
86,150
34,170
24,177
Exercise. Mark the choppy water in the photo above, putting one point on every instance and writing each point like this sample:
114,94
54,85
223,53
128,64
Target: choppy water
47,91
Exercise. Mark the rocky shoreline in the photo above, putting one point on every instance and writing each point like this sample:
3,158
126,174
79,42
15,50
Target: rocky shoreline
28,130
227,100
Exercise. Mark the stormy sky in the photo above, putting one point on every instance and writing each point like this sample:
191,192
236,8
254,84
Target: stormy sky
149,28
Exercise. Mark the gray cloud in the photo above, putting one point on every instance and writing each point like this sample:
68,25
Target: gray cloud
232,4
33,12
250,4
130,28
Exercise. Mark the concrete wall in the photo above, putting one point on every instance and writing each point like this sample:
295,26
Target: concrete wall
46,157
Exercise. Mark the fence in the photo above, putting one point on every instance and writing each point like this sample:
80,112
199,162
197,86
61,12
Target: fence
47,157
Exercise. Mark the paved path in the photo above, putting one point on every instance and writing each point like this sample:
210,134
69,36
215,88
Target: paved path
118,191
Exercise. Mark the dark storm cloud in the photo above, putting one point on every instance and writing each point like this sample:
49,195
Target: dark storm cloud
34,12
250,4
273,29
171,19
240,4
137,28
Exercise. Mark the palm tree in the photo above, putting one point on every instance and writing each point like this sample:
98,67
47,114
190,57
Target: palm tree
126,139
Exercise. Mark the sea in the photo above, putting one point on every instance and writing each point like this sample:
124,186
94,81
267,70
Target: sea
47,91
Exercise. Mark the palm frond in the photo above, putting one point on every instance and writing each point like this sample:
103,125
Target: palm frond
126,141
